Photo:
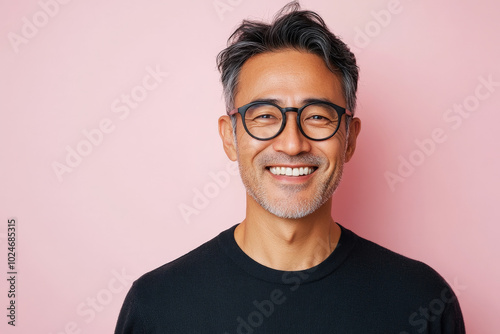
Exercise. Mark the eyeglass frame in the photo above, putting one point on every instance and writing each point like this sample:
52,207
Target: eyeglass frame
243,109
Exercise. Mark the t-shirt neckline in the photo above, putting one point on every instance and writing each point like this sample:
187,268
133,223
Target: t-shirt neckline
344,247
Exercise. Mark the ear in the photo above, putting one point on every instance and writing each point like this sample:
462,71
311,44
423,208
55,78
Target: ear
226,134
354,129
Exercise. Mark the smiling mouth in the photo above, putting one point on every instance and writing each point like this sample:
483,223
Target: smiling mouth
289,171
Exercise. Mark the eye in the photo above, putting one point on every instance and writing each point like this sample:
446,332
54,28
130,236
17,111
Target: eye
266,116
318,117
263,114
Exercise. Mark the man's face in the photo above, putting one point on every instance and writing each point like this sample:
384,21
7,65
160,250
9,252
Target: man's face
290,77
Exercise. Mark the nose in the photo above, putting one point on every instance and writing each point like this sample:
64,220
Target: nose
291,141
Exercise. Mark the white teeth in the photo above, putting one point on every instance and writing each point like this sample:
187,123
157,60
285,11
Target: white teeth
288,171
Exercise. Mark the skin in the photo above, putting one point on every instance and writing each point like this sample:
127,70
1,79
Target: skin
291,77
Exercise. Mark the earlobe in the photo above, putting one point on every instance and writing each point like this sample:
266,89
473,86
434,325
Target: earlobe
227,136
354,129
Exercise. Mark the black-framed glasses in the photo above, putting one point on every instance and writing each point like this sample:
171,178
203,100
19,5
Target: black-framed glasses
317,120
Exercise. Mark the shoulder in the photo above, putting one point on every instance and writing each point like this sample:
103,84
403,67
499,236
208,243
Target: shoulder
373,254
183,270
388,267
167,291
404,290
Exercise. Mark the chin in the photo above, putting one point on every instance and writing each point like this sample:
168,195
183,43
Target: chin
291,208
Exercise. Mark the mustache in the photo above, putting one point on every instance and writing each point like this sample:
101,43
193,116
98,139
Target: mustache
277,158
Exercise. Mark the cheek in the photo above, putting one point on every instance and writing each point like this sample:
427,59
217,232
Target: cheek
248,147
333,150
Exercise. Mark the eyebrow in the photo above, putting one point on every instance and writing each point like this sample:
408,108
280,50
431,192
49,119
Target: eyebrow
305,101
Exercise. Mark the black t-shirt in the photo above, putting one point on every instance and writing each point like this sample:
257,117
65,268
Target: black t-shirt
360,288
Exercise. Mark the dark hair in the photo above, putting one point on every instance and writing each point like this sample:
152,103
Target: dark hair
291,28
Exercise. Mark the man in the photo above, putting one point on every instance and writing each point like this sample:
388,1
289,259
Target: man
288,267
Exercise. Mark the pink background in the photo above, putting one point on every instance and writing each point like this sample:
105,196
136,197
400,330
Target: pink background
118,212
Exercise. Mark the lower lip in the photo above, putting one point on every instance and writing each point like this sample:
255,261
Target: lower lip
292,179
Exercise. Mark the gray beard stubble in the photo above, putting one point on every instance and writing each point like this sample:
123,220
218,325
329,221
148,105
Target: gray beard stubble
286,209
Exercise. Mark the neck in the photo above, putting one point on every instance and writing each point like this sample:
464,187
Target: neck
287,244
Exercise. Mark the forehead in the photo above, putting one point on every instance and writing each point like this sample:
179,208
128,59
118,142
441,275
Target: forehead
288,75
